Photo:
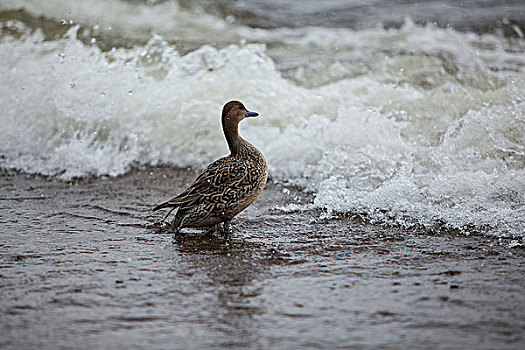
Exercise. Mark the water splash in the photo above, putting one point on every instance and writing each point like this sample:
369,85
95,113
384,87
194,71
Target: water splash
429,134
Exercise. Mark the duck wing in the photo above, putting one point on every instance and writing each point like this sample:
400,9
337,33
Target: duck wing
214,180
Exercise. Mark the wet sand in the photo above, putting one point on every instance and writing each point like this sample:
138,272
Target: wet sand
83,266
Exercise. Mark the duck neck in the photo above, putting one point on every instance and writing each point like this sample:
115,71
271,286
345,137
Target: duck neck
235,142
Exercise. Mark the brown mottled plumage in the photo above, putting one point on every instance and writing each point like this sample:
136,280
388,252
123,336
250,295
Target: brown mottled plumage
228,185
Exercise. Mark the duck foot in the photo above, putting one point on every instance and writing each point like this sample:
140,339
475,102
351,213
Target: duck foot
212,230
159,227
175,236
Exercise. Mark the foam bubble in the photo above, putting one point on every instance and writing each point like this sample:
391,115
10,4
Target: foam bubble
424,138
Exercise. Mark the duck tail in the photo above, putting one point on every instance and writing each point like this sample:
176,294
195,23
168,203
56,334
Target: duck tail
184,198
166,205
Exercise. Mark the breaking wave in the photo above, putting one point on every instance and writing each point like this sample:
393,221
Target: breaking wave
410,126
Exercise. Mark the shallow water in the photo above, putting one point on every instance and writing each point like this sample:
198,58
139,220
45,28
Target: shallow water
83,266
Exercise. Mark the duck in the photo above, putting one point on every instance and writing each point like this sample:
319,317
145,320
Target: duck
227,186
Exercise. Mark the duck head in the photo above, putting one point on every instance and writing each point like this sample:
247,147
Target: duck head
234,111
232,114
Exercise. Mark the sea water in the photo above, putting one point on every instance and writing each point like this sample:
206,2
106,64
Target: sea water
408,125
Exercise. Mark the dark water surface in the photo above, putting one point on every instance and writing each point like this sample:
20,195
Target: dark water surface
82,266
482,16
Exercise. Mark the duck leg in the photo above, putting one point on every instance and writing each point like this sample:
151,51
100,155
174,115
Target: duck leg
227,228
169,212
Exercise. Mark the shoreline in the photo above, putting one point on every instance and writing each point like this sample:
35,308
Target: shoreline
289,194
84,258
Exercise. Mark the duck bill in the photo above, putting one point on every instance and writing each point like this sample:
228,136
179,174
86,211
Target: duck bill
251,114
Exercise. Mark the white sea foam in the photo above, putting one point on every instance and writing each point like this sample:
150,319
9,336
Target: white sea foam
134,20
430,133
